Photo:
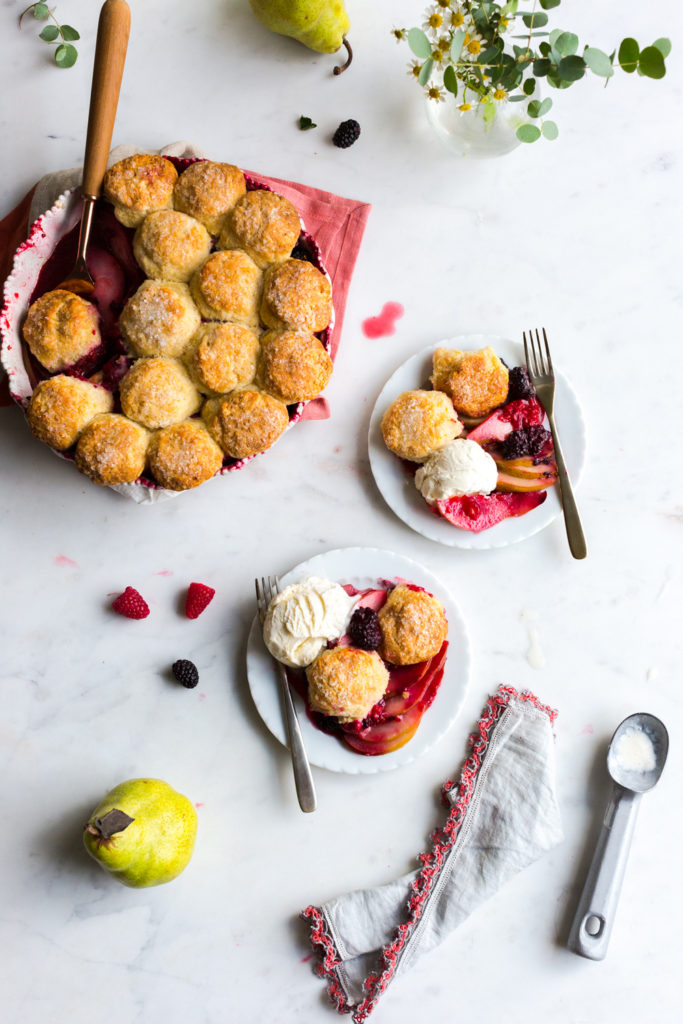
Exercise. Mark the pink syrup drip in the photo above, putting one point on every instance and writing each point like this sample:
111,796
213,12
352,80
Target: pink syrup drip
64,560
385,324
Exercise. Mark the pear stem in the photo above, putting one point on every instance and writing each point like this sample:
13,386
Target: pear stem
342,67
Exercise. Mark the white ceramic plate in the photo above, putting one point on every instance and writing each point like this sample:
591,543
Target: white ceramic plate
363,567
398,489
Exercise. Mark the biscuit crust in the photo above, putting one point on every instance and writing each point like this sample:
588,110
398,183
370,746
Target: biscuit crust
183,456
264,224
419,422
346,682
61,407
139,184
245,422
170,246
112,450
157,392
61,328
222,357
228,287
296,295
208,191
413,626
294,366
159,319
476,382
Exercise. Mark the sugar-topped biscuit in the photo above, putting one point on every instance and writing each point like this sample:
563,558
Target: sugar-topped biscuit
418,423
170,246
139,184
476,382
112,450
183,456
159,319
157,392
264,224
228,287
222,356
208,190
61,328
294,366
61,407
413,626
296,295
346,682
245,422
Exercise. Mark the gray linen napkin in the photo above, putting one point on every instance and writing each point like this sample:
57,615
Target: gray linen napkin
503,816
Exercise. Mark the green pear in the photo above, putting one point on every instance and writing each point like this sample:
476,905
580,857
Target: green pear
142,833
321,25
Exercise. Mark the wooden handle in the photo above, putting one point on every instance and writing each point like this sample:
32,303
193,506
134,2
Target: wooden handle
110,56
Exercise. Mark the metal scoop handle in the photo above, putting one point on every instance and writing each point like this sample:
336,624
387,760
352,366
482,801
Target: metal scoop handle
596,910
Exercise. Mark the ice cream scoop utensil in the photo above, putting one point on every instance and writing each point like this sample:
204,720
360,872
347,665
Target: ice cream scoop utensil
110,55
542,376
303,776
635,760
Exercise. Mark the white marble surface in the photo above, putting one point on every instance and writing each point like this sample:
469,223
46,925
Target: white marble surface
582,236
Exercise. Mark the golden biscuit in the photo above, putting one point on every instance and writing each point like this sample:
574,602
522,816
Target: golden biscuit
264,224
61,328
170,246
157,392
159,319
61,407
183,456
417,423
138,185
297,296
346,682
245,422
221,357
413,626
294,366
111,450
208,190
228,287
476,382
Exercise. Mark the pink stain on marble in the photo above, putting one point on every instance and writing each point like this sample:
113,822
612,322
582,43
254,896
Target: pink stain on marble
65,561
385,324
199,804
163,572
305,959
202,696
587,728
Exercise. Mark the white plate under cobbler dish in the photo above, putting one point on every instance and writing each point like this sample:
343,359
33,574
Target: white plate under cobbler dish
363,567
397,487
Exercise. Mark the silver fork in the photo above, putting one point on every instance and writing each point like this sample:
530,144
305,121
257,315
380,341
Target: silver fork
540,367
303,777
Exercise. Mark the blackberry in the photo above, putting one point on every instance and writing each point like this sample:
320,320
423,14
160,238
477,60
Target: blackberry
364,629
346,134
527,441
301,252
519,385
538,438
186,673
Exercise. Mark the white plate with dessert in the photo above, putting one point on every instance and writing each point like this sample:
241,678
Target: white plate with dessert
527,502
414,704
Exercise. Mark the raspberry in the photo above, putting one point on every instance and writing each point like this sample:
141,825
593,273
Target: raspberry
523,413
131,604
186,673
198,597
519,385
346,134
364,629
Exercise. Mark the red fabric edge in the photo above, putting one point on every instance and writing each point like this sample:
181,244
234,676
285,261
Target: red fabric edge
442,841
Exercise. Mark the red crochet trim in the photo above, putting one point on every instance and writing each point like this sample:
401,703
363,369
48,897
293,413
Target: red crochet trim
442,841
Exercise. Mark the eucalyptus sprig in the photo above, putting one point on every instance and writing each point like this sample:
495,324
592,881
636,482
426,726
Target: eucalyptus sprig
65,53
463,42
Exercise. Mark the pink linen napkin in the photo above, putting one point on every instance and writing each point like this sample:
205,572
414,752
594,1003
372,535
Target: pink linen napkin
503,815
336,223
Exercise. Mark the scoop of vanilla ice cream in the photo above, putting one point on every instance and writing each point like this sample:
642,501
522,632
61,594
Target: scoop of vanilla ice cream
303,617
460,467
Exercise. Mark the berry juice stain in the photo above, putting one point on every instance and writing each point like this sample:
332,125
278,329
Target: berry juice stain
385,324
65,561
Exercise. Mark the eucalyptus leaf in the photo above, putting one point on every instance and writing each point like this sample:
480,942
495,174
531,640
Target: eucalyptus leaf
66,55
629,51
598,62
418,43
450,80
548,5
541,67
457,44
69,34
517,99
534,108
489,112
528,133
663,45
550,130
41,12
425,71
566,44
571,69
49,33
529,86
651,62
535,20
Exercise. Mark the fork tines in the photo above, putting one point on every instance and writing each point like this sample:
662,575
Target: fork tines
538,364
269,587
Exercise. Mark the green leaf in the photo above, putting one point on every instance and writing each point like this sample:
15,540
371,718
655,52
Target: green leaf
456,45
425,71
418,43
69,34
548,5
651,62
546,49
41,11
450,80
489,112
550,130
517,99
598,62
571,69
66,55
529,86
537,108
663,45
528,133
541,67
629,51
566,43
305,123
535,20
49,33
